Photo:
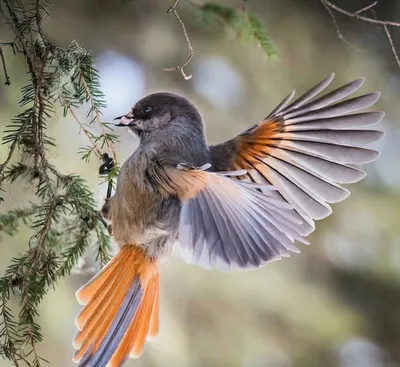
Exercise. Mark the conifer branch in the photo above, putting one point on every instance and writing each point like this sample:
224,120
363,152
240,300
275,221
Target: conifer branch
57,75
95,108
88,134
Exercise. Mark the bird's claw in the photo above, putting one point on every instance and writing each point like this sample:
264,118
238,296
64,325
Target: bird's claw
107,166
192,167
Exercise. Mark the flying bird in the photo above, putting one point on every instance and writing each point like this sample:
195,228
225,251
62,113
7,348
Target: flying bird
235,205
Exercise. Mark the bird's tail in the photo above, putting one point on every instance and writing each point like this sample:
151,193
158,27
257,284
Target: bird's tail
120,310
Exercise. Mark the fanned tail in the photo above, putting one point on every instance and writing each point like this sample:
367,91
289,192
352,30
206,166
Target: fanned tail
120,310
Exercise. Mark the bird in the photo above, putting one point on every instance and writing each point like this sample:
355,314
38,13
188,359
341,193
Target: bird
236,205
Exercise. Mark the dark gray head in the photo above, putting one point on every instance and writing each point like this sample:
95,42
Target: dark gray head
164,111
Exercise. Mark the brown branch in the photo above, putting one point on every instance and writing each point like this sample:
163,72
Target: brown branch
38,18
36,65
356,15
188,42
39,156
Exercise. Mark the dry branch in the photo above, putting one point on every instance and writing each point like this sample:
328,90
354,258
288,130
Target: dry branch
357,15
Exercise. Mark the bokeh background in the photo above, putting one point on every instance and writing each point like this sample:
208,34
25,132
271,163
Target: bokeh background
338,303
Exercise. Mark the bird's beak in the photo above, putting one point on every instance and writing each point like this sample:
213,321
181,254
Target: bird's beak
124,120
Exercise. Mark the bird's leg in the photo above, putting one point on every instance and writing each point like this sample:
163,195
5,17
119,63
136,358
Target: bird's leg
108,226
105,169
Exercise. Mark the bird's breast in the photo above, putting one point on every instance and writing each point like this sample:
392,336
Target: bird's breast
141,213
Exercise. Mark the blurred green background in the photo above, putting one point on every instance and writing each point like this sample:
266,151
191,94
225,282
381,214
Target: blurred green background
338,303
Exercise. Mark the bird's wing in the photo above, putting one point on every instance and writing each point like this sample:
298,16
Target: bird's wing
227,224
306,148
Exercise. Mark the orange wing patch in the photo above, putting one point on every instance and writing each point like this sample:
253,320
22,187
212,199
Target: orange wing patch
257,144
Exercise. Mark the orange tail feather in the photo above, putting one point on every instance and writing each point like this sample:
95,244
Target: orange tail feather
121,310
154,322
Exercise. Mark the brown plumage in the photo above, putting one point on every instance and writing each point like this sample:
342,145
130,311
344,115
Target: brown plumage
239,204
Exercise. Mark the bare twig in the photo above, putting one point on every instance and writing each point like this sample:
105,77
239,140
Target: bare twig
385,27
368,7
356,15
8,81
337,28
360,17
189,44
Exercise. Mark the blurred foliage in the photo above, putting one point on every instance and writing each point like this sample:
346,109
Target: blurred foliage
246,25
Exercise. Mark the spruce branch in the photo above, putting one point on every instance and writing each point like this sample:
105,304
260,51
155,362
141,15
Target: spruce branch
57,75
103,245
75,251
96,104
88,134
11,151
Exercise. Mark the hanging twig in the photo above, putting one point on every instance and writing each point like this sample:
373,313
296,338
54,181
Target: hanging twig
189,44
336,24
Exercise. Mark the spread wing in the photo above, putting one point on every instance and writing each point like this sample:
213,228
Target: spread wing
228,224
306,149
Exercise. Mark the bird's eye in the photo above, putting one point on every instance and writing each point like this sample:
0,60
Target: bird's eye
146,109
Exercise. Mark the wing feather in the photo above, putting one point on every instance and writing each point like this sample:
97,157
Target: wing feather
232,224
306,149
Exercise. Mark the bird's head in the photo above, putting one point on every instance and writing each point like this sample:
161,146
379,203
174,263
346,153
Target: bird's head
161,112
